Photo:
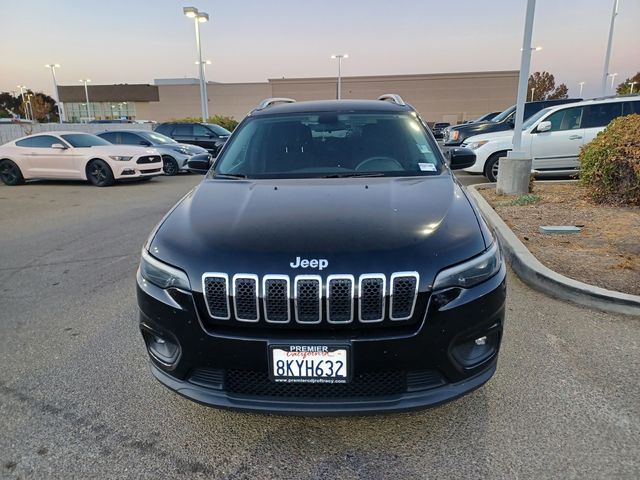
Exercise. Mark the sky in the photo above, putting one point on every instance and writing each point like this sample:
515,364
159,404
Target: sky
137,41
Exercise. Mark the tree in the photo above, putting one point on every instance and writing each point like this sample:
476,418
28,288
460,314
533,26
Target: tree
9,104
543,85
625,87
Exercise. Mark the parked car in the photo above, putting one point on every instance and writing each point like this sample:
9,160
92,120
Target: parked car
553,137
174,154
438,128
205,135
75,156
456,135
329,262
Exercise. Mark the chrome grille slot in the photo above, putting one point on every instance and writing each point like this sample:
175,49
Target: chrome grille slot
340,293
245,297
307,297
275,289
216,292
371,292
404,288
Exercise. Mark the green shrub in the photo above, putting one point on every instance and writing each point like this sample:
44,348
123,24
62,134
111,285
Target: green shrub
226,122
610,164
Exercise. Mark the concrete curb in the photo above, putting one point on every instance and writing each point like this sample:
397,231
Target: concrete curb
536,275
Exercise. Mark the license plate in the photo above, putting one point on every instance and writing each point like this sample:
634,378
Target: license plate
309,364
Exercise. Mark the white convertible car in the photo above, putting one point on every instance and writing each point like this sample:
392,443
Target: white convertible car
75,155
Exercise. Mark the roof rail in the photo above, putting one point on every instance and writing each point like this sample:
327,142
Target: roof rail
393,97
606,97
267,102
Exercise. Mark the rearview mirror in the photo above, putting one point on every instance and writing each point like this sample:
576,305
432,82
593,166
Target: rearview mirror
59,146
543,126
199,163
461,158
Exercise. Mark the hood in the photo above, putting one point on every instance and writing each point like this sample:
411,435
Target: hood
469,129
373,225
501,136
125,150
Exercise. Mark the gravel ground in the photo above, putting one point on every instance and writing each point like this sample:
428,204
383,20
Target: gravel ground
77,399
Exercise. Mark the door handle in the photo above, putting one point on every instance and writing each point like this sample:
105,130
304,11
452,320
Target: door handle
575,137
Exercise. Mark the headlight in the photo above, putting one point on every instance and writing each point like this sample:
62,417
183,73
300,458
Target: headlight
181,150
476,145
471,273
120,158
161,274
454,135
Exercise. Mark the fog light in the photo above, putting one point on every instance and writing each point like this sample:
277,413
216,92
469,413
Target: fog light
163,349
128,171
471,352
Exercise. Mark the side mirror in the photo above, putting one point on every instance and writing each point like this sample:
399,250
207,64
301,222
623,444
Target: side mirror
461,158
199,163
543,126
58,146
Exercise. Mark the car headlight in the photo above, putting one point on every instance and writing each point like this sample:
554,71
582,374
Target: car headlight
120,158
454,135
476,145
181,150
161,274
471,273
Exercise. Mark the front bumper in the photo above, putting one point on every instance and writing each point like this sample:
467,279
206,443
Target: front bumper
422,363
133,170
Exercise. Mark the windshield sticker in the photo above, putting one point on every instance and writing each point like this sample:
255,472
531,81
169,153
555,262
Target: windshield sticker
427,167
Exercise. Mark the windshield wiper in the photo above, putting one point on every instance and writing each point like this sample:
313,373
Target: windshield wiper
354,174
232,176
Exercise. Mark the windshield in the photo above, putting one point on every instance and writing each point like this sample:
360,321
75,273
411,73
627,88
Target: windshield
330,145
534,118
501,116
157,138
223,132
83,140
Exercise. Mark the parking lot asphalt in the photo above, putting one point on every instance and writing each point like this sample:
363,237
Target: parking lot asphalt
77,399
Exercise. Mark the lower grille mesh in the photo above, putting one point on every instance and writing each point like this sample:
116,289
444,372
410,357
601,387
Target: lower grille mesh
376,384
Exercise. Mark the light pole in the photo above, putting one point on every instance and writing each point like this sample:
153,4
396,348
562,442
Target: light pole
613,77
22,89
53,67
340,57
514,173
607,56
29,105
532,90
206,62
581,85
631,84
86,96
198,18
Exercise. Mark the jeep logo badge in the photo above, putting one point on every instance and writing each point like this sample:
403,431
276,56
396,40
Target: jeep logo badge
319,263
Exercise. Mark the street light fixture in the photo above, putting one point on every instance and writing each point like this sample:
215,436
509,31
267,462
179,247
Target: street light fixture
339,57
86,96
613,77
53,67
581,85
631,84
22,89
198,18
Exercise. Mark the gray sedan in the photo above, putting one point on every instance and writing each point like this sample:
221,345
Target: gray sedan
174,155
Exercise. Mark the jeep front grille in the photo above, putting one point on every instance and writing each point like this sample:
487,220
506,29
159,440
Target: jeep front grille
308,299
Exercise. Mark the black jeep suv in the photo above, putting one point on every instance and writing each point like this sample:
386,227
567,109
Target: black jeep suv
329,262
205,135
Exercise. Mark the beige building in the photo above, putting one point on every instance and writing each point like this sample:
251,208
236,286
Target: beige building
449,97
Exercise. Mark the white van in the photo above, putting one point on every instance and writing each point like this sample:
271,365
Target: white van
553,137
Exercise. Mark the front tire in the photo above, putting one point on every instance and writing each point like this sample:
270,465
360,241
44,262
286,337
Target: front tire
10,173
491,167
99,173
170,166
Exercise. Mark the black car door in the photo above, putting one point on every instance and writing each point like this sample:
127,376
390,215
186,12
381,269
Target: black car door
204,137
183,133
